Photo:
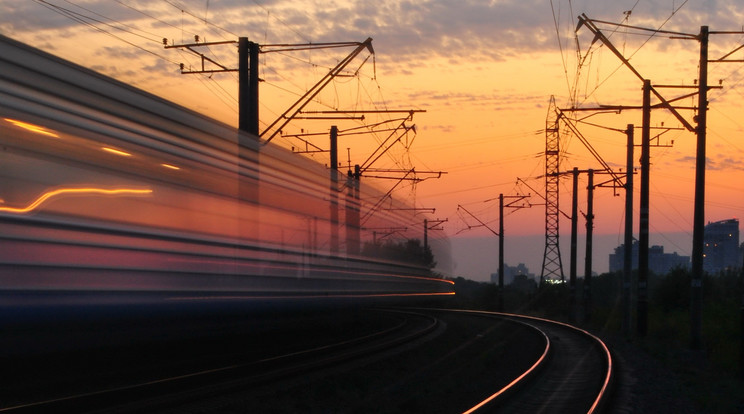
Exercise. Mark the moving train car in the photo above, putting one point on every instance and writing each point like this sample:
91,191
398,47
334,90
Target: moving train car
108,191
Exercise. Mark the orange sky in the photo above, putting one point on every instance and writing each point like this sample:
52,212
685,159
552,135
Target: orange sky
482,71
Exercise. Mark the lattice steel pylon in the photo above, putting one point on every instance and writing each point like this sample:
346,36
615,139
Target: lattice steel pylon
552,266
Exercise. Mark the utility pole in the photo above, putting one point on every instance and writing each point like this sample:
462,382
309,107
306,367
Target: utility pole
501,253
643,236
247,76
248,86
426,234
500,234
589,216
628,239
431,225
515,198
741,330
589,236
700,131
334,190
696,295
574,235
353,206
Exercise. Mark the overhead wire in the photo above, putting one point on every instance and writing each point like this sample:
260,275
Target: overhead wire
648,38
129,29
103,24
185,10
88,21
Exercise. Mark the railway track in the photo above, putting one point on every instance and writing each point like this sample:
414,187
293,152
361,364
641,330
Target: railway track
574,375
299,345
417,361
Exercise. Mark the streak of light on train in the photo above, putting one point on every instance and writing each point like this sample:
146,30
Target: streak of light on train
70,191
106,188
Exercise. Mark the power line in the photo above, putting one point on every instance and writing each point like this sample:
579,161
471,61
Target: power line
654,32
80,18
155,37
148,15
184,10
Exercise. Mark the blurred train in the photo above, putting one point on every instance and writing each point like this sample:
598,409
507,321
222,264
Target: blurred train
108,191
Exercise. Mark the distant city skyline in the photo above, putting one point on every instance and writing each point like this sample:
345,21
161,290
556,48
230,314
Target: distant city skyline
476,258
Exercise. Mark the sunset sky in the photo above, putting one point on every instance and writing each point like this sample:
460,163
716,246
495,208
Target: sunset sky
483,72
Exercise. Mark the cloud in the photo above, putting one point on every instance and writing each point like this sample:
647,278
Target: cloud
716,162
724,163
496,100
402,29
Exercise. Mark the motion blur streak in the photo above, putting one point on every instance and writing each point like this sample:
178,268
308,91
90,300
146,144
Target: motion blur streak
117,152
32,127
183,206
46,196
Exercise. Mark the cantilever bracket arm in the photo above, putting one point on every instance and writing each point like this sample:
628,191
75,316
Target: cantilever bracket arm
283,119
585,21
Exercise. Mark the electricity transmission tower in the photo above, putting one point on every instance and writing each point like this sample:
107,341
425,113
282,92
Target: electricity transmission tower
552,266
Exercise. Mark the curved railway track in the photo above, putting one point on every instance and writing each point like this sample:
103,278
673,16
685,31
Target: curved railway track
188,377
574,374
423,360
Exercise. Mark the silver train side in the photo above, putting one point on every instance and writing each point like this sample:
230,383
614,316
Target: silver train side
108,191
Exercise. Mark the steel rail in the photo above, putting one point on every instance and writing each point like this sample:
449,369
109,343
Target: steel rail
602,395
193,383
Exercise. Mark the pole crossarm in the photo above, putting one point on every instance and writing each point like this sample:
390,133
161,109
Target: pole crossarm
358,130
482,224
598,35
397,170
656,31
736,49
566,215
380,151
432,224
327,118
416,209
512,204
588,145
224,42
276,127
368,111
291,47
190,47
385,231
382,199
620,108
515,199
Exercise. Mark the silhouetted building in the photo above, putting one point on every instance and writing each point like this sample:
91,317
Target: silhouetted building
510,272
658,261
721,246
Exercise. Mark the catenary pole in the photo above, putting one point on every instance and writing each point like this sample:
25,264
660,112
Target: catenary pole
696,296
589,235
574,235
248,86
643,235
501,252
334,190
628,240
